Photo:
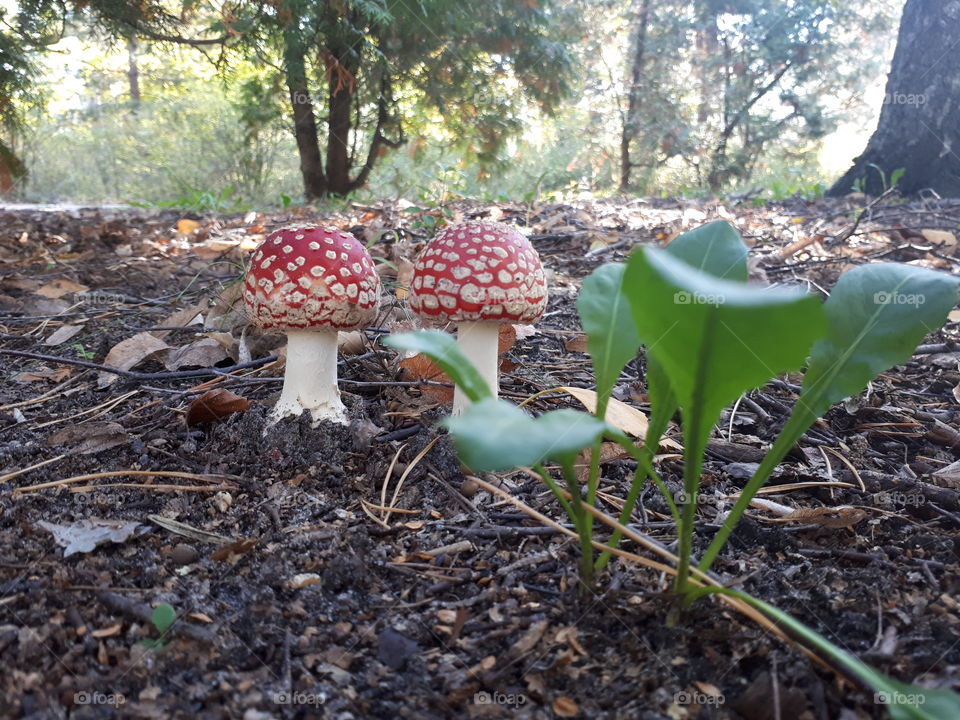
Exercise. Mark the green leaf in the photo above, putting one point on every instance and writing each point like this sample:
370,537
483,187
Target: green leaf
444,351
877,315
717,339
612,338
163,617
495,435
715,248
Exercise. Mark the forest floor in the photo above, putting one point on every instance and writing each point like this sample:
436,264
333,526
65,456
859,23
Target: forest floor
356,572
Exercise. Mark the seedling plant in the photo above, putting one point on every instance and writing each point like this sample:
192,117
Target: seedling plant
709,338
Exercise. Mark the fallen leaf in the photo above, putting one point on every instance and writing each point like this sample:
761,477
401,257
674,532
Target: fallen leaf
234,551
84,536
106,632
565,707
58,288
62,334
187,226
89,438
939,237
578,343
831,517
184,317
528,641
420,367
57,375
203,353
404,278
215,405
351,343
129,353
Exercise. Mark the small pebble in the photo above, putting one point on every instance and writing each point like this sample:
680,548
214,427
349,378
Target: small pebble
183,554
469,487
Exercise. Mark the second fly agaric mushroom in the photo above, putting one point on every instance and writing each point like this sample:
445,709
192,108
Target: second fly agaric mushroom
310,282
479,275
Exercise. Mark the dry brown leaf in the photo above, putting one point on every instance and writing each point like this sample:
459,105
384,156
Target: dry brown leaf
59,288
939,237
506,338
404,278
184,317
203,353
62,334
234,551
352,342
89,438
187,226
420,367
831,517
565,707
106,632
528,641
578,343
56,376
129,353
215,405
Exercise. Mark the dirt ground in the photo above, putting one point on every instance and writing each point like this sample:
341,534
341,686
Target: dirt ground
356,572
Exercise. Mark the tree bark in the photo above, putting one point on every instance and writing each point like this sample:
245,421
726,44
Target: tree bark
133,71
632,118
340,91
919,128
304,122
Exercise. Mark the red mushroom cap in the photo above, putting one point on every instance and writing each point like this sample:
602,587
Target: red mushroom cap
479,271
307,276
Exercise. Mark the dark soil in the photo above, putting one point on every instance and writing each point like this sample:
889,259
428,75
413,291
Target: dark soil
300,604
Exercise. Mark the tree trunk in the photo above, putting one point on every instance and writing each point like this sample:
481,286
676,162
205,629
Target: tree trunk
919,128
632,118
133,71
339,104
304,122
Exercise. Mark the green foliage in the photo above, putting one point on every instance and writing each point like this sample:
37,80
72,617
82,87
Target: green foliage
163,618
444,351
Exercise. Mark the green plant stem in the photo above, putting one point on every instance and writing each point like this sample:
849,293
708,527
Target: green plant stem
799,421
644,458
555,489
584,524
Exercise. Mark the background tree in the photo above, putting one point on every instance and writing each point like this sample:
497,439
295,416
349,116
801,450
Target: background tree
919,127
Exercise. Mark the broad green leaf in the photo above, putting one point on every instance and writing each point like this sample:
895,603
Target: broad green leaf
444,351
163,617
715,248
495,435
612,338
715,338
877,315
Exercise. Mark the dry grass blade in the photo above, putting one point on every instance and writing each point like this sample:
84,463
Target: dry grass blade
406,473
100,409
179,528
42,463
164,487
849,465
226,480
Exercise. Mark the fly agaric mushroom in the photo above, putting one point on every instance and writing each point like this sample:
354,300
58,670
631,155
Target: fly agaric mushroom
479,275
311,282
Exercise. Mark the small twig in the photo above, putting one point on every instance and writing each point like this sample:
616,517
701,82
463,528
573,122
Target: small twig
130,375
121,473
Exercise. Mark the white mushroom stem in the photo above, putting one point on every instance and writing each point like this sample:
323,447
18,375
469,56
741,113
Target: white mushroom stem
480,342
310,380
